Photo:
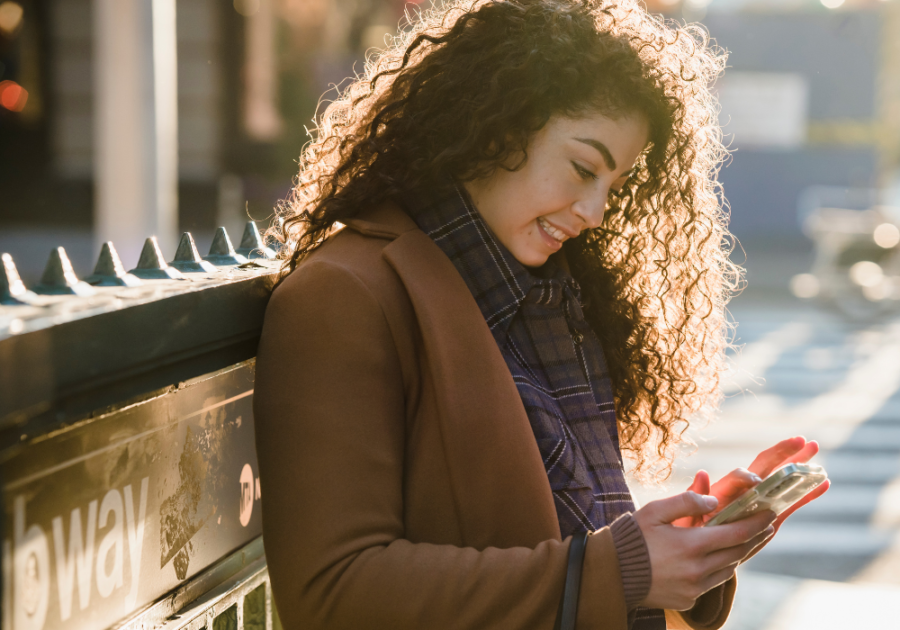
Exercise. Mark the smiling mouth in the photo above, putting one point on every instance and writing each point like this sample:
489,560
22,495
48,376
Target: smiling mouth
554,233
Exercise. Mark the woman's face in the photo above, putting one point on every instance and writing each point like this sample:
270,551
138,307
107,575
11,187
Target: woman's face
562,189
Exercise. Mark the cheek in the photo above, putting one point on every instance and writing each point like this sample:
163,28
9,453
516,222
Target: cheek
544,195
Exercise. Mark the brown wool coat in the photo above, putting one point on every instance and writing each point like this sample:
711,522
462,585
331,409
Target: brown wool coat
403,485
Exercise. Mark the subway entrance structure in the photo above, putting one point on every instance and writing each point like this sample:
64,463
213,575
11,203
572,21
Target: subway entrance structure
128,472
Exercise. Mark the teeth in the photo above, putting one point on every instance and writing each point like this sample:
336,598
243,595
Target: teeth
552,231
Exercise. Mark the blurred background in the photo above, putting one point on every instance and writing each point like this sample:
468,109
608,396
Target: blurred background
124,118
217,96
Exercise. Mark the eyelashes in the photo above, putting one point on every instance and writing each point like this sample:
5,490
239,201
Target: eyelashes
583,172
586,175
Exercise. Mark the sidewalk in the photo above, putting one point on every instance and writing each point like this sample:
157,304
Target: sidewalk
804,371
774,602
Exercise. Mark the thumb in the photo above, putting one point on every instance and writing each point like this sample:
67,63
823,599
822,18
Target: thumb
684,504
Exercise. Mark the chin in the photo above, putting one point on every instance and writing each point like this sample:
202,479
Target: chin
532,259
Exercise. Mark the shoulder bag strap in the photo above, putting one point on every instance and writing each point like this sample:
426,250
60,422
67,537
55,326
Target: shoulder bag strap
568,606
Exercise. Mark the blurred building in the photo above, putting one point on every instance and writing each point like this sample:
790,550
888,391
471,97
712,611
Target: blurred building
249,76
811,98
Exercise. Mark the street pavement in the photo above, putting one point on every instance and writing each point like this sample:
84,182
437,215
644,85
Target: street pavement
802,370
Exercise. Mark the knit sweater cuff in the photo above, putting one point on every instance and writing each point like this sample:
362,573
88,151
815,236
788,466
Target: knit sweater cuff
634,559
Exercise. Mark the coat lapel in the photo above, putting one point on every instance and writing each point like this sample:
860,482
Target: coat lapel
499,481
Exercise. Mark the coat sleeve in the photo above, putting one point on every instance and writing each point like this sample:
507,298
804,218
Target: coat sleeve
329,415
709,613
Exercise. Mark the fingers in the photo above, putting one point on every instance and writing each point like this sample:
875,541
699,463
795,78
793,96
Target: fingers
717,578
815,494
700,484
804,455
737,554
733,485
739,476
812,496
772,458
737,533
665,511
688,562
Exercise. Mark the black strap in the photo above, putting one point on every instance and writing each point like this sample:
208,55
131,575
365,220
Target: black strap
568,605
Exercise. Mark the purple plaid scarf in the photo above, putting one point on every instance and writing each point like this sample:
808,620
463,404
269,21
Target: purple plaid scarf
555,359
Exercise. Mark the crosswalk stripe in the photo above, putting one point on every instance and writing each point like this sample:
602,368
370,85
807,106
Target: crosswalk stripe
829,539
756,358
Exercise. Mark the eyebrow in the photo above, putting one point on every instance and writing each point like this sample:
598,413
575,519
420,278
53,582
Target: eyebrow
601,148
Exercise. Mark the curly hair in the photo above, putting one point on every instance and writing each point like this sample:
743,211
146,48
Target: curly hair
463,89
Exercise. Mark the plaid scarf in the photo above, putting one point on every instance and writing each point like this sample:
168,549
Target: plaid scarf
555,359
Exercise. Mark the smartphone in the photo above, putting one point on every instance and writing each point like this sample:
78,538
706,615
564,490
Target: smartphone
777,492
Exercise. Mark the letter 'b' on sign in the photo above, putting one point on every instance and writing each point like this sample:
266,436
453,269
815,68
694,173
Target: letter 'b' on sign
32,572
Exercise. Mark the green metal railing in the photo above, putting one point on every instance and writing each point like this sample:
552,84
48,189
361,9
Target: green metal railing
128,474
233,595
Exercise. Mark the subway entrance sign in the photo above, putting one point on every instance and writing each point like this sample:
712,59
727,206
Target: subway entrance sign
127,459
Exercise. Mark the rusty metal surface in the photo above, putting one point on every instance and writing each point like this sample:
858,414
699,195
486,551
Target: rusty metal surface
105,517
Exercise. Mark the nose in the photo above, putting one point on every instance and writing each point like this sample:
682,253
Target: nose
590,209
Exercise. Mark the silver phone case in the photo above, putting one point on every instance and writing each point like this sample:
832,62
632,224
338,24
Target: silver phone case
777,492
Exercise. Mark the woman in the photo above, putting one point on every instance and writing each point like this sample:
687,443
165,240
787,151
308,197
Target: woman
506,266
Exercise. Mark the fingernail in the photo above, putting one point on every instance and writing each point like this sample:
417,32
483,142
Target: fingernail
711,502
770,531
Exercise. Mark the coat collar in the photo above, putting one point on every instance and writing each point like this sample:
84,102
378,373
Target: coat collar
497,467
484,426
387,220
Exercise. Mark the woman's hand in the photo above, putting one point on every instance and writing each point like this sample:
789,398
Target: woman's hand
794,450
686,562
734,484
726,490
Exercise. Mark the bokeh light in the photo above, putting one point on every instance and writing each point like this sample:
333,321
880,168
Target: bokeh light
13,96
805,285
886,235
10,17
866,273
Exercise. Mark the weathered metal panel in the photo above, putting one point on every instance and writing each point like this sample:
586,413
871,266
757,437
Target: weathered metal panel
66,356
108,515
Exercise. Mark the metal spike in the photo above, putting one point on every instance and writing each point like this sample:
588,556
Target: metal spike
187,258
109,271
221,252
12,289
59,278
152,266
252,245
